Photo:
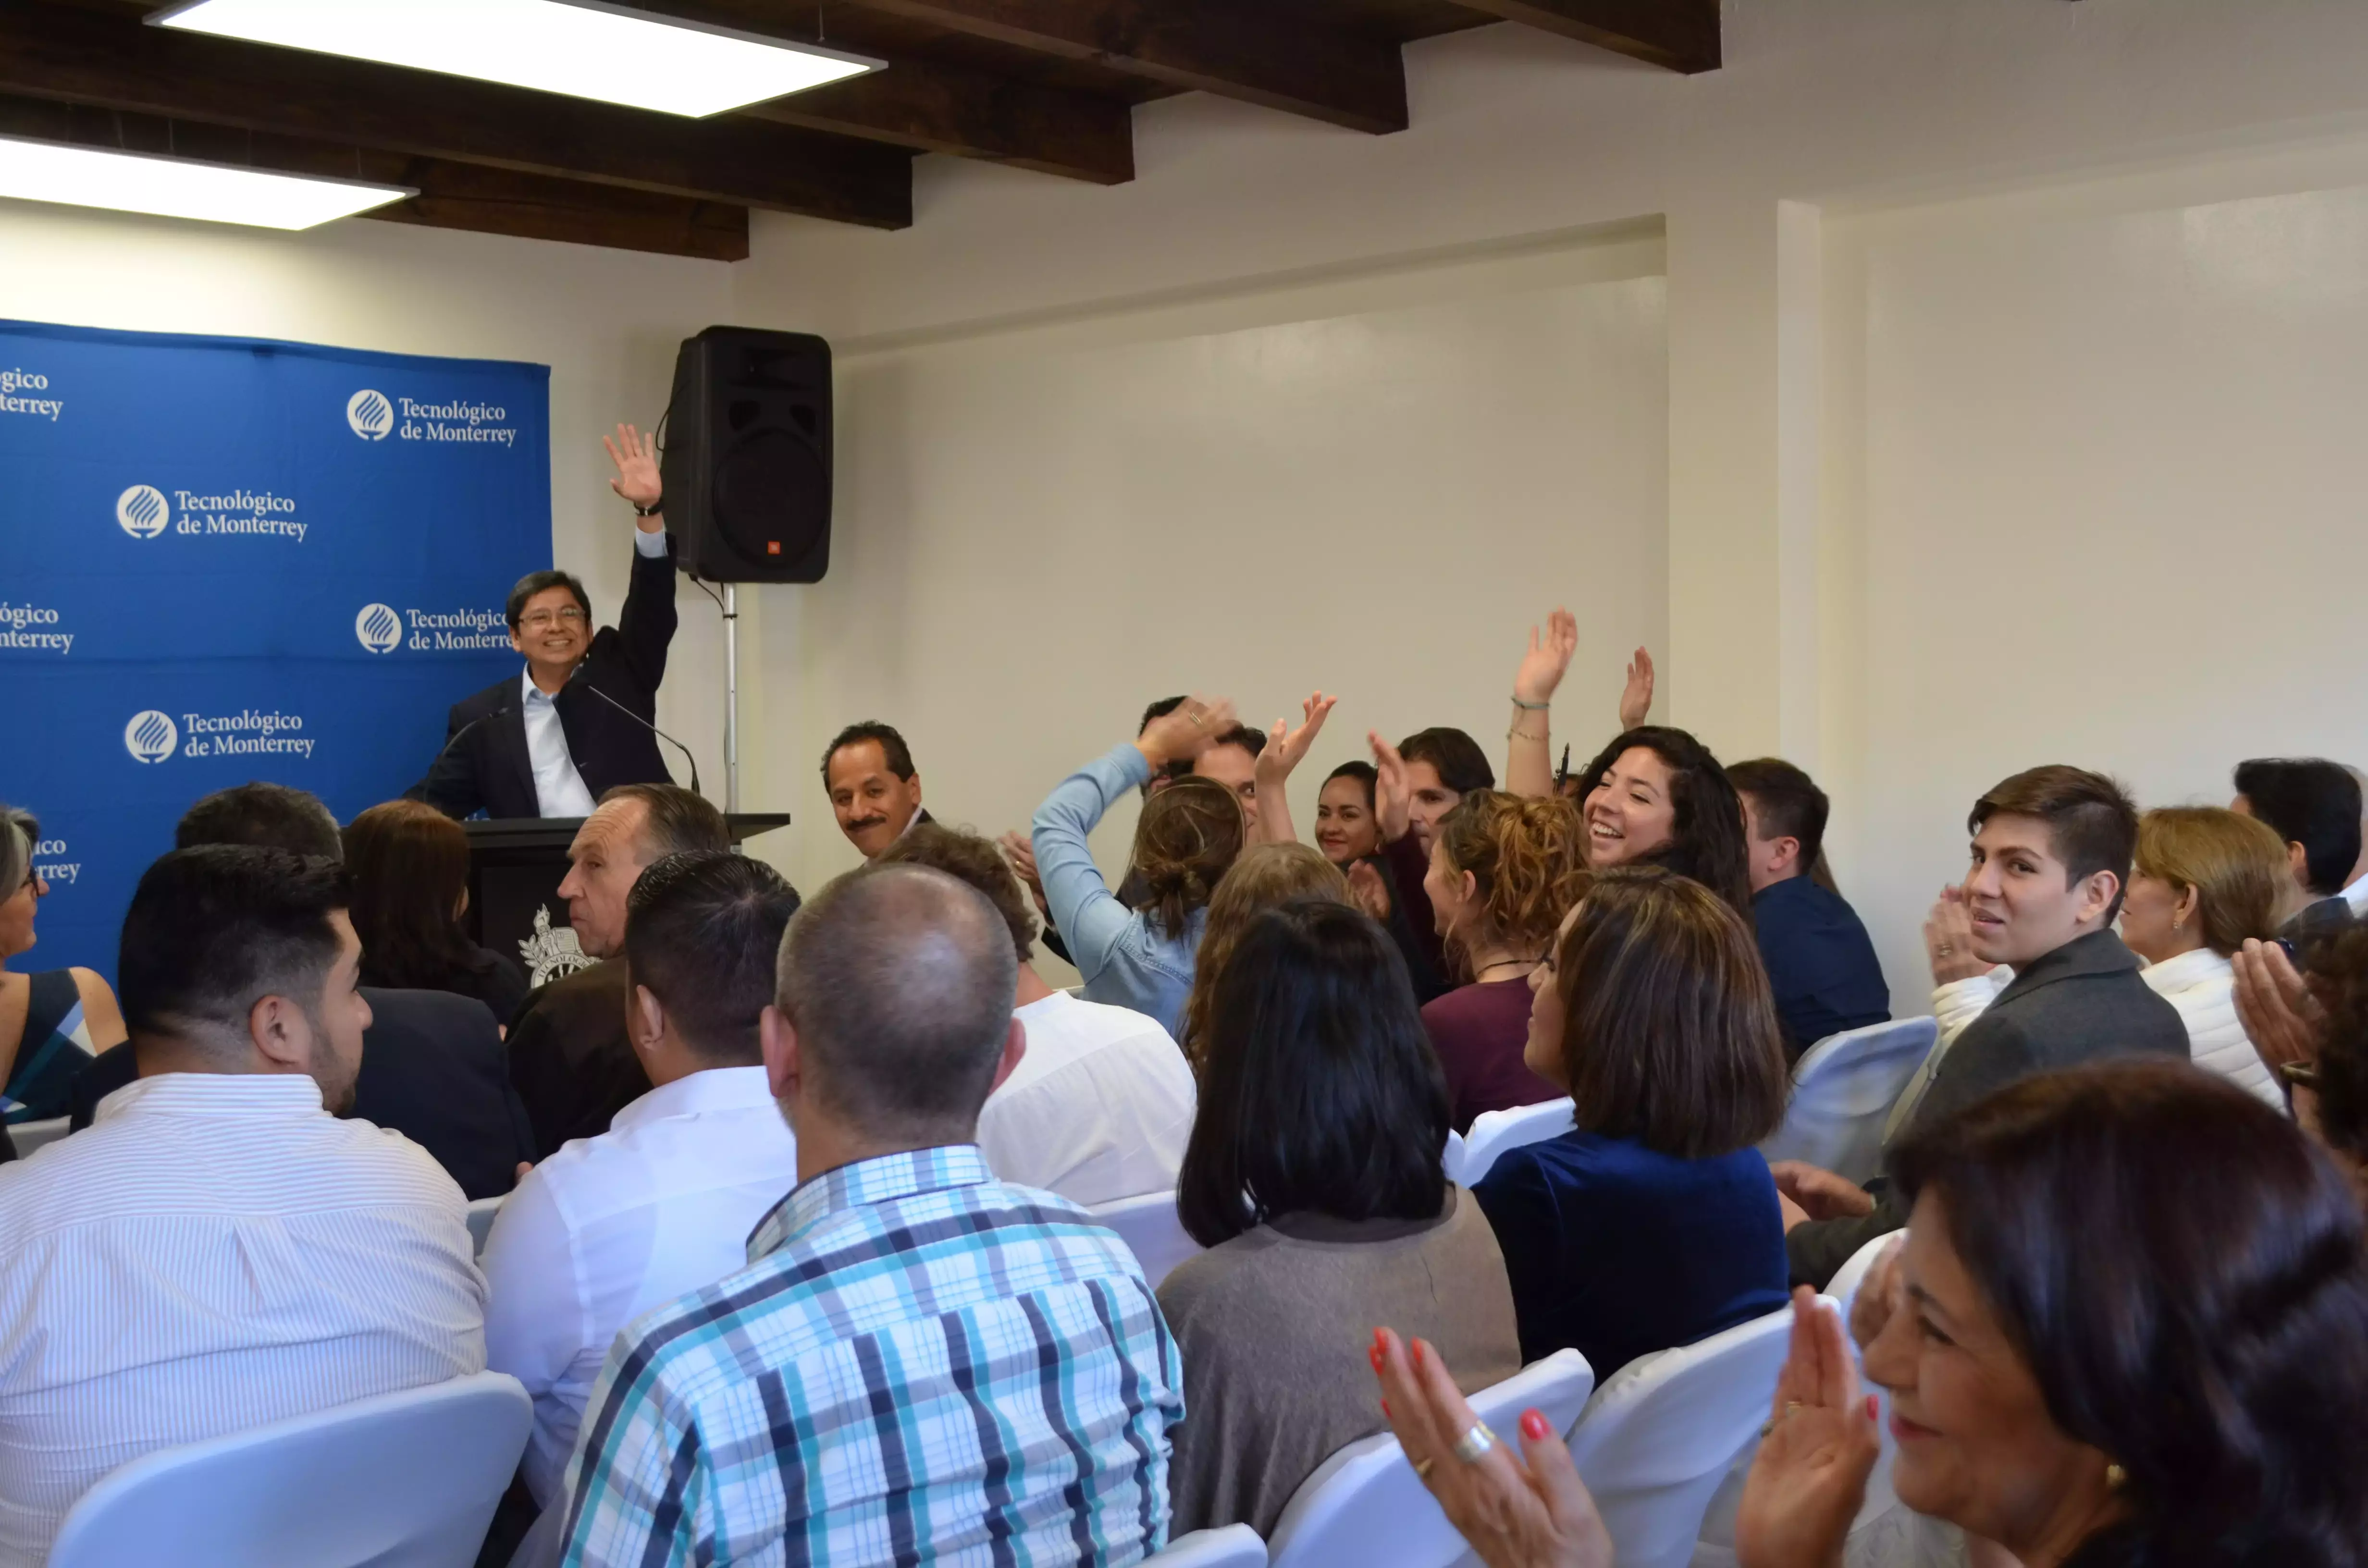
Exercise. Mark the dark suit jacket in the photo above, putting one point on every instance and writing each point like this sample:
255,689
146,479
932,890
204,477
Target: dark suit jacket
432,1070
1820,964
2082,1004
570,1061
489,768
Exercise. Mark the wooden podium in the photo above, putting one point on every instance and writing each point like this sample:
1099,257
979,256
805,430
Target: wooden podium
515,868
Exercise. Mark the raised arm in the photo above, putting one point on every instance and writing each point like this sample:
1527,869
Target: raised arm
1090,918
1529,751
1285,748
645,626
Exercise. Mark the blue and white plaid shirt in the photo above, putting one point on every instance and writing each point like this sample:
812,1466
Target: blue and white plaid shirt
922,1364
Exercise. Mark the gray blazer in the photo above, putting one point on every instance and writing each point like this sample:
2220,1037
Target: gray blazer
2082,1003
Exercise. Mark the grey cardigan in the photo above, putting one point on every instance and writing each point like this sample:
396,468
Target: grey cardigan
2083,1003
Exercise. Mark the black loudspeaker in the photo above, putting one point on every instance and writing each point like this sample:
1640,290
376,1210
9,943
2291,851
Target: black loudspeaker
746,466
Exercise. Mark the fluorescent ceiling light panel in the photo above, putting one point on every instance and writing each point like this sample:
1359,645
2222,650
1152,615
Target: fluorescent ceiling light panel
180,188
583,48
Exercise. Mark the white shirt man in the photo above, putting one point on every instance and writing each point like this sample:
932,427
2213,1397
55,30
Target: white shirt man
662,1202
218,1250
1100,1107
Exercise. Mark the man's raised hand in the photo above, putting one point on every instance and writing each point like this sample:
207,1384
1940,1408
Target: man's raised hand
636,458
1393,801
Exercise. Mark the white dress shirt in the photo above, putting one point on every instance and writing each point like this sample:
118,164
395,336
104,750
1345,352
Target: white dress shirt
2356,896
559,790
1099,1107
213,1253
610,1227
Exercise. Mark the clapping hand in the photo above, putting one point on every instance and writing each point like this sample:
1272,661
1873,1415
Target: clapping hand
1525,1511
1020,850
1285,747
1549,656
1369,890
1636,698
1393,799
1949,939
2274,1004
1809,1480
1820,1194
636,458
1186,731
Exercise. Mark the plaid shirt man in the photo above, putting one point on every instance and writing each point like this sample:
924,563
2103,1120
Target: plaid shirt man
921,1364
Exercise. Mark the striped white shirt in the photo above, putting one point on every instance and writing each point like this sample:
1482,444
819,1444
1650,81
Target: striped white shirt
215,1252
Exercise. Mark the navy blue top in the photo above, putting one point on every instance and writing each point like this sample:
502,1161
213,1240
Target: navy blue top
1819,961
1621,1252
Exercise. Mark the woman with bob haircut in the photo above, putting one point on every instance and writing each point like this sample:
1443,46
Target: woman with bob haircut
1185,841
1504,870
1313,1176
1653,1221
1266,875
410,867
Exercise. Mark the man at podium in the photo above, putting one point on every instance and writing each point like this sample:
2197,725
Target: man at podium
548,742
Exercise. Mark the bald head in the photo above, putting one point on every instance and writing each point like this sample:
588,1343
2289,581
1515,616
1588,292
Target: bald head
898,981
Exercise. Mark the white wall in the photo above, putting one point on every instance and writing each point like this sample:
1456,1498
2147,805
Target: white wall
1356,485
606,322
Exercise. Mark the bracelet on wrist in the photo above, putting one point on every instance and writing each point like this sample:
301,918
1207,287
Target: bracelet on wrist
1532,707
1522,736
651,510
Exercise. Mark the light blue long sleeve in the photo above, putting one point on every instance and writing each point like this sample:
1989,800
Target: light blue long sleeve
1126,960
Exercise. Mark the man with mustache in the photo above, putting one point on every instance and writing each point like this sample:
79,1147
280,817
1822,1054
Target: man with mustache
875,791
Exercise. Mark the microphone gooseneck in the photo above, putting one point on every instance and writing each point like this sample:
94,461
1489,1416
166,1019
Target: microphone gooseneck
644,723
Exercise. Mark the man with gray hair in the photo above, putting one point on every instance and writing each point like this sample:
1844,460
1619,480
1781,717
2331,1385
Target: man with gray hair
919,1362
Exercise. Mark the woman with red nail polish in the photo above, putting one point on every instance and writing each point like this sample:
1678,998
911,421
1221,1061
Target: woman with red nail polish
1314,1177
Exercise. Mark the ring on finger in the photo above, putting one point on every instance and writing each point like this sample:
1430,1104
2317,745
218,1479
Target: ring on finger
1422,1468
1474,1443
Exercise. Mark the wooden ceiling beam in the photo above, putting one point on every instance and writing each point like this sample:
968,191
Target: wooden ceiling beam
451,195
1680,34
77,56
1261,51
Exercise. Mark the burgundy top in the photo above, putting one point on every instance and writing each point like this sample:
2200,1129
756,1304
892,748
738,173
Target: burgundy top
1478,1031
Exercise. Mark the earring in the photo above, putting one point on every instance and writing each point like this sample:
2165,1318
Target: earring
2116,1477
2177,921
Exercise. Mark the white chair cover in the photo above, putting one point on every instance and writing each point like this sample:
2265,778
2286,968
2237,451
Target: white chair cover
1365,1507
1656,1442
1149,1227
1495,1131
1843,1090
1236,1546
405,1480
31,1135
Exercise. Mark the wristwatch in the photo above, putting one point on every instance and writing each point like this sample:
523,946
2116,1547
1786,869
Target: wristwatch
651,510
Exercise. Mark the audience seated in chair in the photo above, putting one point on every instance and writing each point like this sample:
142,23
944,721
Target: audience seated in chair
1504,870
52,1022
1006,1388
1265,876
220,1250
1821,964
2204,881
1416,783
1313,1179
2050,856
1652,1222
569,1056
1140,957
2315,807
875,790
433,1066
410,866
1101,1103
662,1203
2309,1025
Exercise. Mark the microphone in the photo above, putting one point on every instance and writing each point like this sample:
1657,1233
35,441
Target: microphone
637,718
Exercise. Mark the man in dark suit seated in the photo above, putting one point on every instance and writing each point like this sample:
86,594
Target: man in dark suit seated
552,741
1820,963
2314,804
571,1060
433,1068
2051,854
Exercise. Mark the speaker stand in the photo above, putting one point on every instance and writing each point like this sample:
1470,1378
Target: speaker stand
731,697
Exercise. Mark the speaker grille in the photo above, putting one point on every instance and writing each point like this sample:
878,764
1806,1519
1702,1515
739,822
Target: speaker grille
772,498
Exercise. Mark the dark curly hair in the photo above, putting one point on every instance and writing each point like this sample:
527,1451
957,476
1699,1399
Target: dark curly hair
1706,843
2186,1276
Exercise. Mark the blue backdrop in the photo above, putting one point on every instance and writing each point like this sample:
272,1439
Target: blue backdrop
229,559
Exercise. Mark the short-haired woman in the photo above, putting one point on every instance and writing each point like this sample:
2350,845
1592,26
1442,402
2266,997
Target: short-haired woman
1264,876
1313,1179
1185,841
2202,880
1654,1222
52,1023
1504,870
410,867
